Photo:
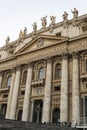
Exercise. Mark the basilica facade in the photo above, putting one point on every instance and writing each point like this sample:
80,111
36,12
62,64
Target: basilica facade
43,74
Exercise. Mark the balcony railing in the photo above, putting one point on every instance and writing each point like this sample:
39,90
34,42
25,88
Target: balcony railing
38,83
4,90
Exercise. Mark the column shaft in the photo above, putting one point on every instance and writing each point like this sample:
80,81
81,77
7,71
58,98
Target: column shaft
84,115
32,107
64,91
10,96
26,104
47,93
75,92
15,94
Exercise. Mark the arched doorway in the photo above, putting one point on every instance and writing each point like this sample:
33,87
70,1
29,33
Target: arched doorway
19,115
37,111
56,115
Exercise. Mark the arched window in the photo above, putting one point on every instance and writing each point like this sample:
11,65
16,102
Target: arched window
24,78
41,73
9,81
58,71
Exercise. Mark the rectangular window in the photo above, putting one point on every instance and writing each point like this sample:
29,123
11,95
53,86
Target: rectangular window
57,88
22,92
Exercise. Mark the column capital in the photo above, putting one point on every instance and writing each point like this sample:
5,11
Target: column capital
30,64
75,55
18,67
13,69
49,59
65,56
1,72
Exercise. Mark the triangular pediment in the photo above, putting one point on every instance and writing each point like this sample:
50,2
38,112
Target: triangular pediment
39,42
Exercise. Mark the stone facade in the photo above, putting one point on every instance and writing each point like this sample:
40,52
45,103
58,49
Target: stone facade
43,75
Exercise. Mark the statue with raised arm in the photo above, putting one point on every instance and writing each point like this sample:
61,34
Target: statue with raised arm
44,21
34,26
75,13
53,19
65,16
7,40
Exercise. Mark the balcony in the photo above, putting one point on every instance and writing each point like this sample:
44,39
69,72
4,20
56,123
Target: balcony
38,83
83,77
4,90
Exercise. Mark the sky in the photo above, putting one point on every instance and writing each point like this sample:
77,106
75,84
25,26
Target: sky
15,15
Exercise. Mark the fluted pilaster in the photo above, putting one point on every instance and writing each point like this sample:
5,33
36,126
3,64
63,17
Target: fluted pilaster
47,93
75,90
64,90
26,104
15,93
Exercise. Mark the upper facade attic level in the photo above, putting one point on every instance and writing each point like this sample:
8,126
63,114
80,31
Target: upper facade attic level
75,27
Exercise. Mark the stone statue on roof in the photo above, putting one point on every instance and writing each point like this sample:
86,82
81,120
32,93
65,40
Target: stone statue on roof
75,13
25,31
53,19
7,40
20,34
44,21
65,16
65,19
34,26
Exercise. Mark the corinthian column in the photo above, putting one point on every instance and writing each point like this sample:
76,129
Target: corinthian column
47,93
10,95
15,93
26,104
75,90
64,90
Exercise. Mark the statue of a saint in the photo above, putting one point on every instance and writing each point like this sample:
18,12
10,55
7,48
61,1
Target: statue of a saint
65,16
34,26
44,21
20,34
25,31
7,40
75,13
52,18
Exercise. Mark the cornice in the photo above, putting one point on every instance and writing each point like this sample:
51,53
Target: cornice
77,37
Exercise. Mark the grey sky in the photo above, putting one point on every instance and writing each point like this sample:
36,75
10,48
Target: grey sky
16,14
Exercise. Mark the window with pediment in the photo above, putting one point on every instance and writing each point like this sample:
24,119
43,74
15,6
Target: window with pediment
41,73
24,78
58,71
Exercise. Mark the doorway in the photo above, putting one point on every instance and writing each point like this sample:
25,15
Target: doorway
56,116
37,111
